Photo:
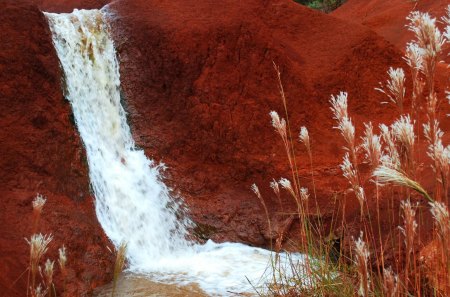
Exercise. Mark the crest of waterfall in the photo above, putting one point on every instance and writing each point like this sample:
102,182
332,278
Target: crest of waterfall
131,201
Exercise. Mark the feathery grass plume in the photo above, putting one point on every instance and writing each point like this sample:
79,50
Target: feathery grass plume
430,39
38,204
304,137
304,194
390,283
339,106
442,221
279,125
276,190
409,230
39,292
62,261
349,172
48,275
388,175
414,59
255,190
119,264
403,132
345,125
38,247
395,87
286,184
439,154
281,129
371,144
351,175
362,256
446,20
391,157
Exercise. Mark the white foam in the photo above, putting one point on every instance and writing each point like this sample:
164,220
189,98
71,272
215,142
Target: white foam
132,203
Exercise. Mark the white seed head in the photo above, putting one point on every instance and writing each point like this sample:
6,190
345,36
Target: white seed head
360,195
403,131
39,292
48,272
414,56
390,283
349,172
409,223
442,218
275,187
339,106
278,124
39,202
255,189
62,258
304,194
446,20
371,144
395,86
286,184
38,245
428,36
362,256
391,158
304,137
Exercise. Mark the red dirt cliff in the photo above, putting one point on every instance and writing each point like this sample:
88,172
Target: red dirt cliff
41,152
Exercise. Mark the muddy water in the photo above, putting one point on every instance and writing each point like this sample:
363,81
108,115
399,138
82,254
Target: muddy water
133,285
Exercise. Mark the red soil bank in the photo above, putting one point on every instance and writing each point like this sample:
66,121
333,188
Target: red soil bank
199,84
41,152
388,18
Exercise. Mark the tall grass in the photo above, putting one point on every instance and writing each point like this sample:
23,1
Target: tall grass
40,278
394,160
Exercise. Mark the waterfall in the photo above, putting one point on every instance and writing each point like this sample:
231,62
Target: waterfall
131,201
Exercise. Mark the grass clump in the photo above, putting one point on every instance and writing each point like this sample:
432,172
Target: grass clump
393,177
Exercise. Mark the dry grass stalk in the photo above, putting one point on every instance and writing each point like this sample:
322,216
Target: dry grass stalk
345,125
304,194
440,156
371,144
362,256
38,204
38,247
414,60
430,40
39,292
350,173
62,261
304,138
390,283
403,132
395,87
119,264
391,157
388,175
255,190
442,221
48,276
276,190
409,231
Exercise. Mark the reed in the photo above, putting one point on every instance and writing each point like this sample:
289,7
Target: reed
119,265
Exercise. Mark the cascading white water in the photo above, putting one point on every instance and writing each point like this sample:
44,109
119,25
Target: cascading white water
132,203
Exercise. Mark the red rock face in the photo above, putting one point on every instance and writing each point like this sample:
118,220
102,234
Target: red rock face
199,83
42,152
388,18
